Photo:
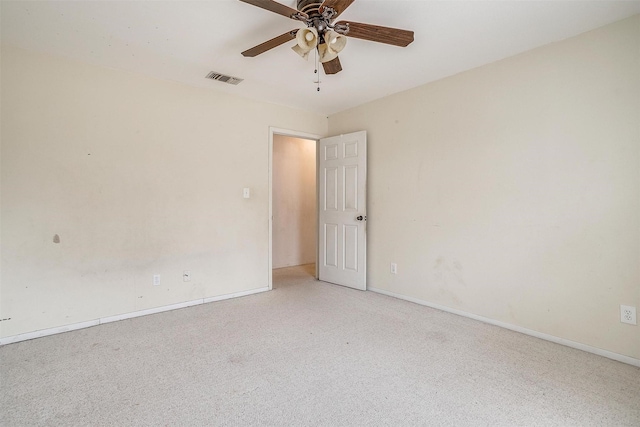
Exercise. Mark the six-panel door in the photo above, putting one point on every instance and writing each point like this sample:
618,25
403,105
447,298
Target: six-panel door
342,210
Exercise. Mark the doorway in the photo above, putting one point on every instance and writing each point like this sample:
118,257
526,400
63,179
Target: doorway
293,203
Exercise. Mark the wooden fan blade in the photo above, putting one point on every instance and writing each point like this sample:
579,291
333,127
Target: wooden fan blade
338,5
275,7
270,44
378,34
332,67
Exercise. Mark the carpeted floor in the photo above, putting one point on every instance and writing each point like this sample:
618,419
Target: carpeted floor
310,353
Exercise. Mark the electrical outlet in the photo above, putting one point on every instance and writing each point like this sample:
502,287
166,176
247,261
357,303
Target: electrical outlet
628,314
156,280
186,276
394,268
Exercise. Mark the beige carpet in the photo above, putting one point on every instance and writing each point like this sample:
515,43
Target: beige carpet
310,353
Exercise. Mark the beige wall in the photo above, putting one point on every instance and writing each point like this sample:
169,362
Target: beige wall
294,201
137,177
512,191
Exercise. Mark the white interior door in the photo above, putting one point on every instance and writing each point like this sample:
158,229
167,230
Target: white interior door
342,216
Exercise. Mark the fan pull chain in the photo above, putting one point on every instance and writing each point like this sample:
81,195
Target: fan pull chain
317,68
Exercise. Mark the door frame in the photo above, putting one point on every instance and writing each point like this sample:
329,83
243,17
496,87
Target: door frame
295,134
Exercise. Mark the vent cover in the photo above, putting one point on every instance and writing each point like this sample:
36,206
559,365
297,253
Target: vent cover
222,78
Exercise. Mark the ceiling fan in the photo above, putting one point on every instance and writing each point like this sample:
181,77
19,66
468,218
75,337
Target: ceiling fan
322,33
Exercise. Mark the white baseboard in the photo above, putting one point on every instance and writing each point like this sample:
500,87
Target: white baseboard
235,295
74,326
148,311
573,344
44,332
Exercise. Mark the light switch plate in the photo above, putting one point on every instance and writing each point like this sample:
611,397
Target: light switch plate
246,193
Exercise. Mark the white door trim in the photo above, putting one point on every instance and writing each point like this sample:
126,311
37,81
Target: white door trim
295,134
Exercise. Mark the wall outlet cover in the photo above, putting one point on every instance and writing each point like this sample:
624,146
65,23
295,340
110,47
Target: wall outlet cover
628,314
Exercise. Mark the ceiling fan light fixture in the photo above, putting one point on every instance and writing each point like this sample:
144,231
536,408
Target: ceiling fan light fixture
325,54
306,41
334,43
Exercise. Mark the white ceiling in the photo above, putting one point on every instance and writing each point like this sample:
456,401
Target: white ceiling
183,40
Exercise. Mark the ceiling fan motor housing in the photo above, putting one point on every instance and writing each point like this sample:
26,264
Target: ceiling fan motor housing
310,7
322,23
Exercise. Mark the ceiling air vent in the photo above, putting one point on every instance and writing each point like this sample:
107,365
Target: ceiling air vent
222,78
